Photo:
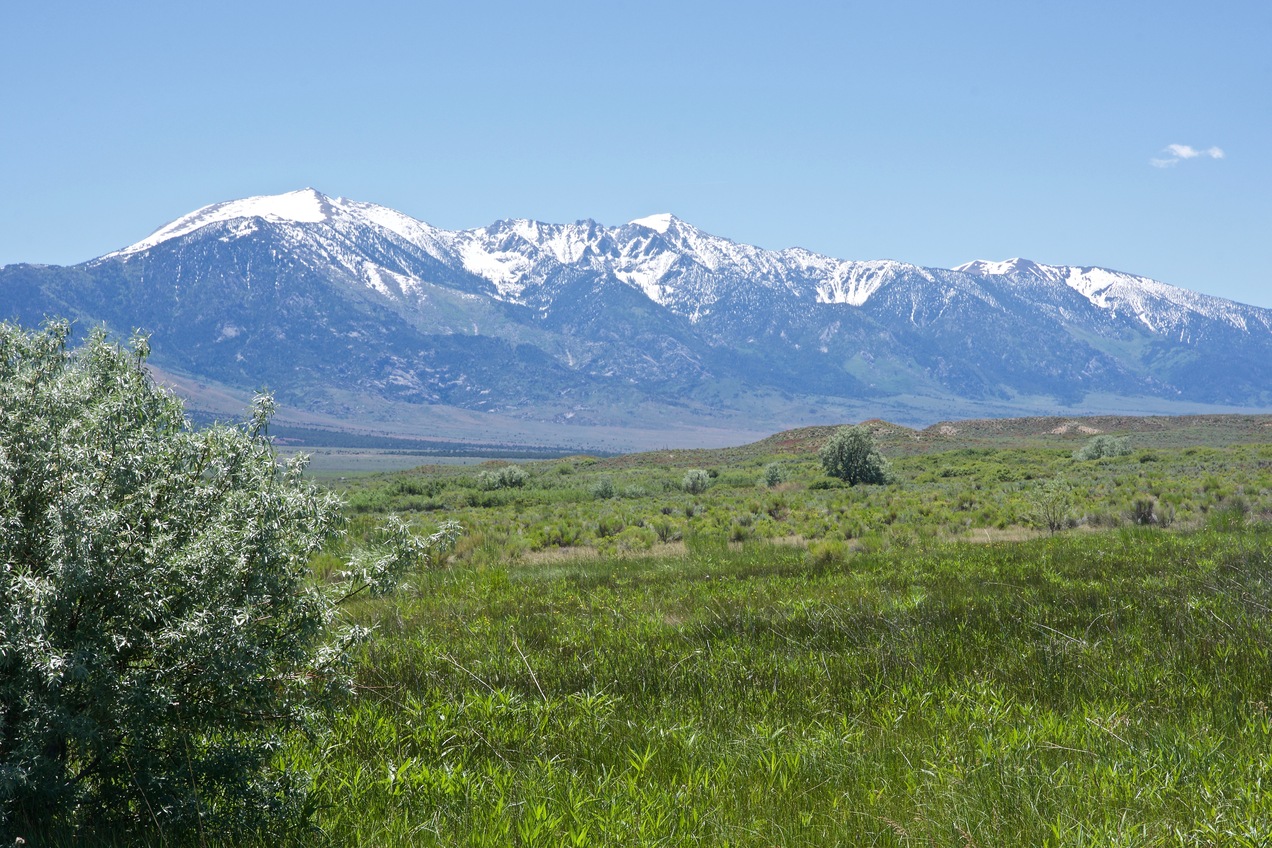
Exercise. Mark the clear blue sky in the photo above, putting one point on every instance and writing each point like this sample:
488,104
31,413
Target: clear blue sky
931,132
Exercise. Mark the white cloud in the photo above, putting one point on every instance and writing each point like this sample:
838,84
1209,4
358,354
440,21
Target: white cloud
1180,152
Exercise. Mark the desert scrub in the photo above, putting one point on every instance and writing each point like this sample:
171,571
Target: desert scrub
506,477
957,492
1102,447
774,475
695,482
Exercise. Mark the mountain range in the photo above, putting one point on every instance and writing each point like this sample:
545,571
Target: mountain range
352,312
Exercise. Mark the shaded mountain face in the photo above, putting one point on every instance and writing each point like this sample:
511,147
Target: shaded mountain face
318,297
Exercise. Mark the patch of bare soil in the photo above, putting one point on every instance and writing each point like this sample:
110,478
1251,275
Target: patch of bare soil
990,535
587,552
1074,427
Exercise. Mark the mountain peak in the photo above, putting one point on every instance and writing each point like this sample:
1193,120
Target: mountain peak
306,205
1015,265
659,223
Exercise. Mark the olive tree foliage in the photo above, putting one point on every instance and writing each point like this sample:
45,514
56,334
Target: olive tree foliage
159,630
850,454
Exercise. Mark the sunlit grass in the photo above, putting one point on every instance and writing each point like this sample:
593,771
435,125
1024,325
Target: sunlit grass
1084,689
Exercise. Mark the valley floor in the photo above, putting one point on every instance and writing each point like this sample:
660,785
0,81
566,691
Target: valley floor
608,659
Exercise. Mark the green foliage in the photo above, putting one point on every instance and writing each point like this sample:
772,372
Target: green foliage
1052,502
850,455
1033,693
603,489
1103,447
963,493
826,664
818,665
696,481
159,634
1147,511
1228,515
507,477
774,475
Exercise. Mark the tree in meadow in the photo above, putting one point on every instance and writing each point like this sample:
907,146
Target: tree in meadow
850,454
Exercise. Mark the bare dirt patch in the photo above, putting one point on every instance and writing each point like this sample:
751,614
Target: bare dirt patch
990,535
1074,427
587,552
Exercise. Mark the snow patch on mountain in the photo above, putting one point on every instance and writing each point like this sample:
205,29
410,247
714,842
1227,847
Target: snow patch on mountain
645,273
418,233
1095,284
567,244
1163,309
854,283
304,206
659,223
375,279
1009,267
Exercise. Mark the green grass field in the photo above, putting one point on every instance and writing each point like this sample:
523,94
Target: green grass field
609,660
1074,690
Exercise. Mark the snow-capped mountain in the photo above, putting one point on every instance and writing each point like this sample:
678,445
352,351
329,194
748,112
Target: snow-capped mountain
1161,308
319,297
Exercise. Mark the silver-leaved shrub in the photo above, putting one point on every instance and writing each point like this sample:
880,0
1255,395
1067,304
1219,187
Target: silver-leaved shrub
159,628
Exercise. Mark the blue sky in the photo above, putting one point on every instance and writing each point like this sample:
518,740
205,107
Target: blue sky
930,132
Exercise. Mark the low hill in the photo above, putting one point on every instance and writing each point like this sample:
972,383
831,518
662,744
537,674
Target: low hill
1069,433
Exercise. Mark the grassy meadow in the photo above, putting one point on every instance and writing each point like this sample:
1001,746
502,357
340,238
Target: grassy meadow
1005,646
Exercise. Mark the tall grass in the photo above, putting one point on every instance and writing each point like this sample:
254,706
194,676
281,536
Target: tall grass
1085,689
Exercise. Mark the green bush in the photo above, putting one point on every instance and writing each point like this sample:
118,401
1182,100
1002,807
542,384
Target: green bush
609,525
1051,506
666,530
159,631
508,477
1102,447
850,455
1144,511
696,481
559,534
